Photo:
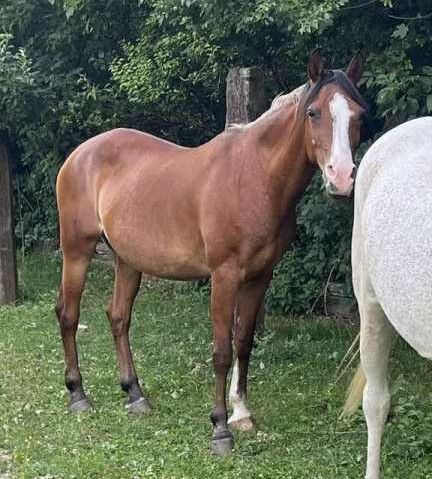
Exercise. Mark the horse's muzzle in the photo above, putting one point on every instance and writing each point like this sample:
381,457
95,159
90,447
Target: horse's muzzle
334,191
339,179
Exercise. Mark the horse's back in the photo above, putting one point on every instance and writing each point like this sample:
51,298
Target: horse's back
118,148
392,238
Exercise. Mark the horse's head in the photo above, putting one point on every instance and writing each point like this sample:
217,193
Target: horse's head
333,110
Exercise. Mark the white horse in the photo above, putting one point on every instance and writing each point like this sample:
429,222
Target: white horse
392,264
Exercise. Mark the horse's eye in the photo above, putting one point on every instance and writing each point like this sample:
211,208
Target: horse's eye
312,113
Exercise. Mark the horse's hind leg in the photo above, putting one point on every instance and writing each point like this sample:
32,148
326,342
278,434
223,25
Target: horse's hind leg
376,339
75,263
127,281
251,297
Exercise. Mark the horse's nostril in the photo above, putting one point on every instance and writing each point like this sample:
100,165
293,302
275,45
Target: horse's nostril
330,171
354,172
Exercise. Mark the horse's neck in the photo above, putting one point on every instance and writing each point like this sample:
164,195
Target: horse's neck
280,138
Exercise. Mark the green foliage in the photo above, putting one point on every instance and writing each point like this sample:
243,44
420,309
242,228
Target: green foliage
403,81
70,69
321,252
17,85
412,424
53,96
175,69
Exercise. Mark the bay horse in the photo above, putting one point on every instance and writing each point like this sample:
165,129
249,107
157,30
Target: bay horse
224,210
392,265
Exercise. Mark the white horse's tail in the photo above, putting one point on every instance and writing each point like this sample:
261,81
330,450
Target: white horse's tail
354,393
355,390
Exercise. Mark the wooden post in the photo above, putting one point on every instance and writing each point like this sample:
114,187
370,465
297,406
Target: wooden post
8,271
245,101
245,98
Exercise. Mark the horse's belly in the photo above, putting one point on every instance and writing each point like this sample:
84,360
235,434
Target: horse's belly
167,264
404,290
421,343
164,256
415,327
406,297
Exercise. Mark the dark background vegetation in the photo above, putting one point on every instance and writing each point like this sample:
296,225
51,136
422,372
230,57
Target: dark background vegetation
70,69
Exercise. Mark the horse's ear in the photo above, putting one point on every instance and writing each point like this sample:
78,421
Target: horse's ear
316,67
355,69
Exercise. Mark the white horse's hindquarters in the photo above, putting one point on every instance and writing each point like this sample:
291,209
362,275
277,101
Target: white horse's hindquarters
396,227
392,260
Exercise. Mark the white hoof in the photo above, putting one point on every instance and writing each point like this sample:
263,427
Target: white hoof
242,424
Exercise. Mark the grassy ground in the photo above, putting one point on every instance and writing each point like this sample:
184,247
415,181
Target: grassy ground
292,392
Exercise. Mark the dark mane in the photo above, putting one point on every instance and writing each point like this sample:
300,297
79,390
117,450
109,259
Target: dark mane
339,78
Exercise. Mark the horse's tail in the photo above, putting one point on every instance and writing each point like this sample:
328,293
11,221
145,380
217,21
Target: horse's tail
354,393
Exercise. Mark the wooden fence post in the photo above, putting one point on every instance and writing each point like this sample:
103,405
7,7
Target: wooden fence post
8,271
245,98
245,101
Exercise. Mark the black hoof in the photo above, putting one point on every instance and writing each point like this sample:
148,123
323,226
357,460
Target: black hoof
140,406
222,446
80,406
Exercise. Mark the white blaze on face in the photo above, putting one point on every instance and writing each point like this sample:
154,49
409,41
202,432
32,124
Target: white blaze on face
340,159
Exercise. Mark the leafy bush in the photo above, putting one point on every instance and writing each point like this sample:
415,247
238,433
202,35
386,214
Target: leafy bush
321,251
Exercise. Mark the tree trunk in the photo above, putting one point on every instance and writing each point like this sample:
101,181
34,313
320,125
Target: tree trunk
8,271
245,101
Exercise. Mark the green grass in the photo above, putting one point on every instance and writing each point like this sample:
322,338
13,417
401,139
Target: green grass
292,393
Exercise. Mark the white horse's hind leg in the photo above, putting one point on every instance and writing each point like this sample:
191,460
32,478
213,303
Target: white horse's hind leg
376,339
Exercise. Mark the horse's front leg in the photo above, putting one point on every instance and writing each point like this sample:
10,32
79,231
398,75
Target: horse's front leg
225,285
250,300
